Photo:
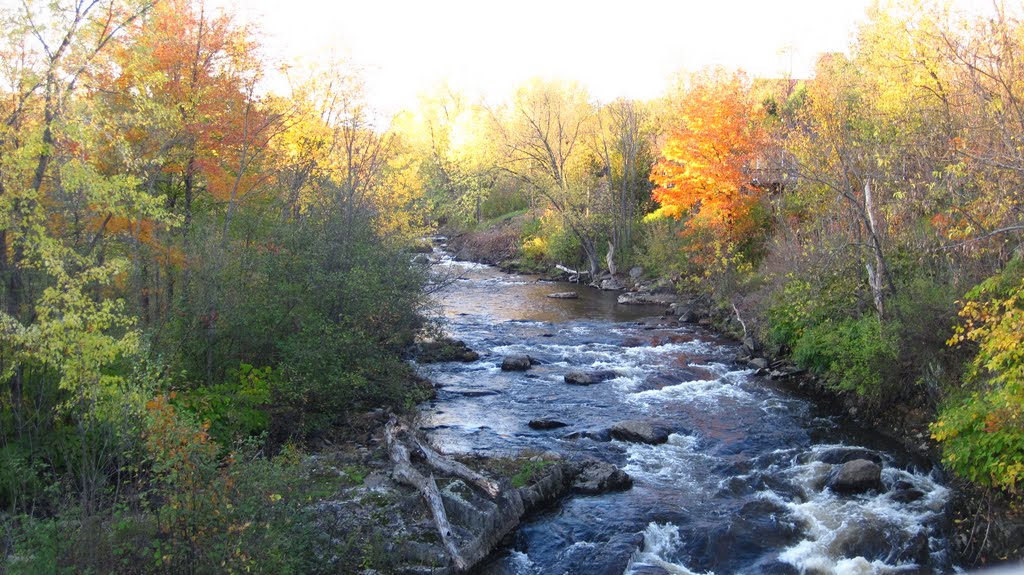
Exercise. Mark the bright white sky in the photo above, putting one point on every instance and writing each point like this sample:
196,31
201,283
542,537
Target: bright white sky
613,47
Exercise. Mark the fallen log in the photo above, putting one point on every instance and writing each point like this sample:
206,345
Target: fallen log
404,472
574,275
451,467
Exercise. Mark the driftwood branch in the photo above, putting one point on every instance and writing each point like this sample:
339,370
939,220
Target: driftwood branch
406,473
451,467
742,323
574,275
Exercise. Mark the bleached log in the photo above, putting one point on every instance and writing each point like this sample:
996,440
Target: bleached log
404,472
571,271
452,467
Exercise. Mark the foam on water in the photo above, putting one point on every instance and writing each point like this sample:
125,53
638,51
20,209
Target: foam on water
661,541
708,390
836,527
521,563
670,464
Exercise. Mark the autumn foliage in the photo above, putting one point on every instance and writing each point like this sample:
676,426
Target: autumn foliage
713,138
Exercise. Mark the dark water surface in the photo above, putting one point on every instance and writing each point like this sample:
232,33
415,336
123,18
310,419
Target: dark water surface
738,488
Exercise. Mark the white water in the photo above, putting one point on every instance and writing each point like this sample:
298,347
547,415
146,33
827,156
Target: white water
738,487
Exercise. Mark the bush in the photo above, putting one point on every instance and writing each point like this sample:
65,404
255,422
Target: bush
661,248
216,515
855,355
981,428
323,309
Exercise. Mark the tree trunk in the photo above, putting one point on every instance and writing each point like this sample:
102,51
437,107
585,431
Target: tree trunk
878,272
610,258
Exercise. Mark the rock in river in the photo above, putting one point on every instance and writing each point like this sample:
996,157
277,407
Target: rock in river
444,349
588,377
600,477
639,432
856,476
643,298
516,363
564,295
840,455
546,424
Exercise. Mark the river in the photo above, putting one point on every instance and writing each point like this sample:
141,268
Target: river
738,487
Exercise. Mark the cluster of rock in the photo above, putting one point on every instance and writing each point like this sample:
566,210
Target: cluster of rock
440,349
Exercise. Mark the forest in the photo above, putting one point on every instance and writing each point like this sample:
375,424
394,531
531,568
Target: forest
204,281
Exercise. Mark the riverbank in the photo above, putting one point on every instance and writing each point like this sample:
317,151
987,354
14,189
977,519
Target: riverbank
379,523
987,526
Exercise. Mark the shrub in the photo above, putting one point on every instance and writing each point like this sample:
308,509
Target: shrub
982,428
853,355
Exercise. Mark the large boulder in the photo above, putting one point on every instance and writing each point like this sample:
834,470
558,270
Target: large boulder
686,312
757,363
589,377
516,363
840,455
597,477
639,431
857,476
611,284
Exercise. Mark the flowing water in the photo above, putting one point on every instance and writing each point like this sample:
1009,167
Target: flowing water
738,487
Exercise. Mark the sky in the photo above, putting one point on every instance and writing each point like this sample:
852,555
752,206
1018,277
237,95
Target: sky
626,48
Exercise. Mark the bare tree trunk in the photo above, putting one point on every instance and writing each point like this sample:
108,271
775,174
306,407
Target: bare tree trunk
878,272
610,258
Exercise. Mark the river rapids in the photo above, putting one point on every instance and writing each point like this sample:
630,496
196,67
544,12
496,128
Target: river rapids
739,487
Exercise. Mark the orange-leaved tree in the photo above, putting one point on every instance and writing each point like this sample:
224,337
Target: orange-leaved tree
714,135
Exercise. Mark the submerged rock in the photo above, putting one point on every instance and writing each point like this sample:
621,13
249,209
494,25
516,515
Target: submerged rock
564,295
639,432
601,558
601,435
857,476
588,377
544,424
